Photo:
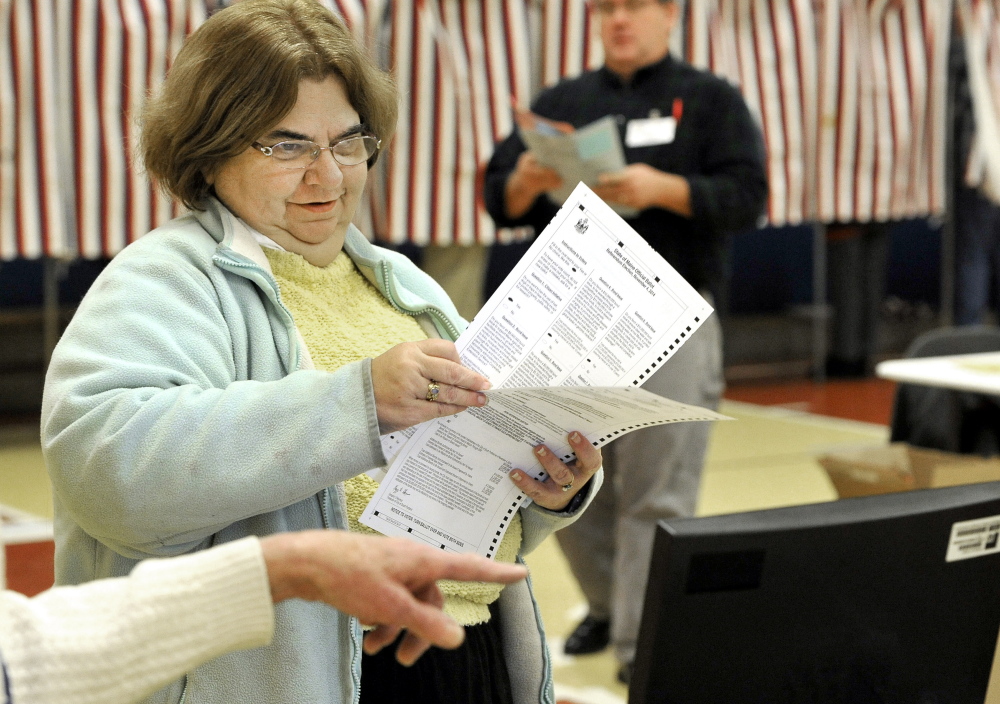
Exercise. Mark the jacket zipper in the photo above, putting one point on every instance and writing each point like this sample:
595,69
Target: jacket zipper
429,310
230,263
324,498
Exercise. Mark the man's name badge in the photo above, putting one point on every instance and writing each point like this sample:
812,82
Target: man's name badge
650,131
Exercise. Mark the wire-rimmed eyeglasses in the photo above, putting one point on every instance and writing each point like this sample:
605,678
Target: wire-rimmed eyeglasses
301,153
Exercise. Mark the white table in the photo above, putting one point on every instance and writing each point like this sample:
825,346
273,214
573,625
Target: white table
979,373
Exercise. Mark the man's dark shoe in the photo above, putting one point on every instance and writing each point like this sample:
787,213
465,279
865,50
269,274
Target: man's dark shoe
625,673
591,636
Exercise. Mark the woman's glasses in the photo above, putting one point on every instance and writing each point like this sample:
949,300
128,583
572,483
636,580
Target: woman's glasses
301,153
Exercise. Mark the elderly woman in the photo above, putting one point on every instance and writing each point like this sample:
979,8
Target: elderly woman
230,373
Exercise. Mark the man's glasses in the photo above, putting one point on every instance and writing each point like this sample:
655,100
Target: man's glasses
301,153
606,8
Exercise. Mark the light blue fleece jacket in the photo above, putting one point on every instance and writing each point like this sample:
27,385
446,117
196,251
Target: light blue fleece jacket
181,411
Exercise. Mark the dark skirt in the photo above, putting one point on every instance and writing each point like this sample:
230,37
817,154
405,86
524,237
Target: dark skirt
475,672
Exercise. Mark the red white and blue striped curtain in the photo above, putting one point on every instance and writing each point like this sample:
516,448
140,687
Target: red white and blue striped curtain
980,24
32,158
768,49
363,17
882,109
461,66
765,47
850,95
567,39
73,75
458,64
115,53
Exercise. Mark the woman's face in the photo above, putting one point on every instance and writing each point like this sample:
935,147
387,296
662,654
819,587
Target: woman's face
306,211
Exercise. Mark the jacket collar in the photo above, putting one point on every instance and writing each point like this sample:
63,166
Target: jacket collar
238,247
662,66
236,236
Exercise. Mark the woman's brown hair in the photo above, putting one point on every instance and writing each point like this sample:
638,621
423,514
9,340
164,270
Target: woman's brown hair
238,75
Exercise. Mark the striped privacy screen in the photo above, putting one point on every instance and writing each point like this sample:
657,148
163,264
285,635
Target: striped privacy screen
72,75
850,95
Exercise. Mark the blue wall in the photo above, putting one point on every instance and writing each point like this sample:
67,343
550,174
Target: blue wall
771,270
22,280
772,267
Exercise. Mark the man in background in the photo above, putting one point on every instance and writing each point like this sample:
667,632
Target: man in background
696,174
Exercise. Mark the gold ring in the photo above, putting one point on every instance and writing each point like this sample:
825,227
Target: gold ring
567,487
432,391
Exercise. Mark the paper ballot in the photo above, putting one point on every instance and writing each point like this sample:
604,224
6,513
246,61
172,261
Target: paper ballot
587,315
577,154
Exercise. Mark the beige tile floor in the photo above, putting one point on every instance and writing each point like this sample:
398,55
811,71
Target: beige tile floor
24,485
764,458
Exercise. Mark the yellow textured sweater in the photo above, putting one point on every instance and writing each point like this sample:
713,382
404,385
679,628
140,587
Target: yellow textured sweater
338,334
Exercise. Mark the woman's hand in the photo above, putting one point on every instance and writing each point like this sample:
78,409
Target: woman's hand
402,379
564,481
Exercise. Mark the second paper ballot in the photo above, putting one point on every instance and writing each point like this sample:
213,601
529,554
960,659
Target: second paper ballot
589,313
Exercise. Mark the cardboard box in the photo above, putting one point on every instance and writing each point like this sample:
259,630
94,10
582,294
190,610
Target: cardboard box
882,469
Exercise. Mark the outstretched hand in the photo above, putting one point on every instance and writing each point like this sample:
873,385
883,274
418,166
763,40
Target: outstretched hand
402,378
389,583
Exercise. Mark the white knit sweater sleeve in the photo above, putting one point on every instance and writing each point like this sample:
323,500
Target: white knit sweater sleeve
117,640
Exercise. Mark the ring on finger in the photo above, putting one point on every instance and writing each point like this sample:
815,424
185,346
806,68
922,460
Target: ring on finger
567,487
432,391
